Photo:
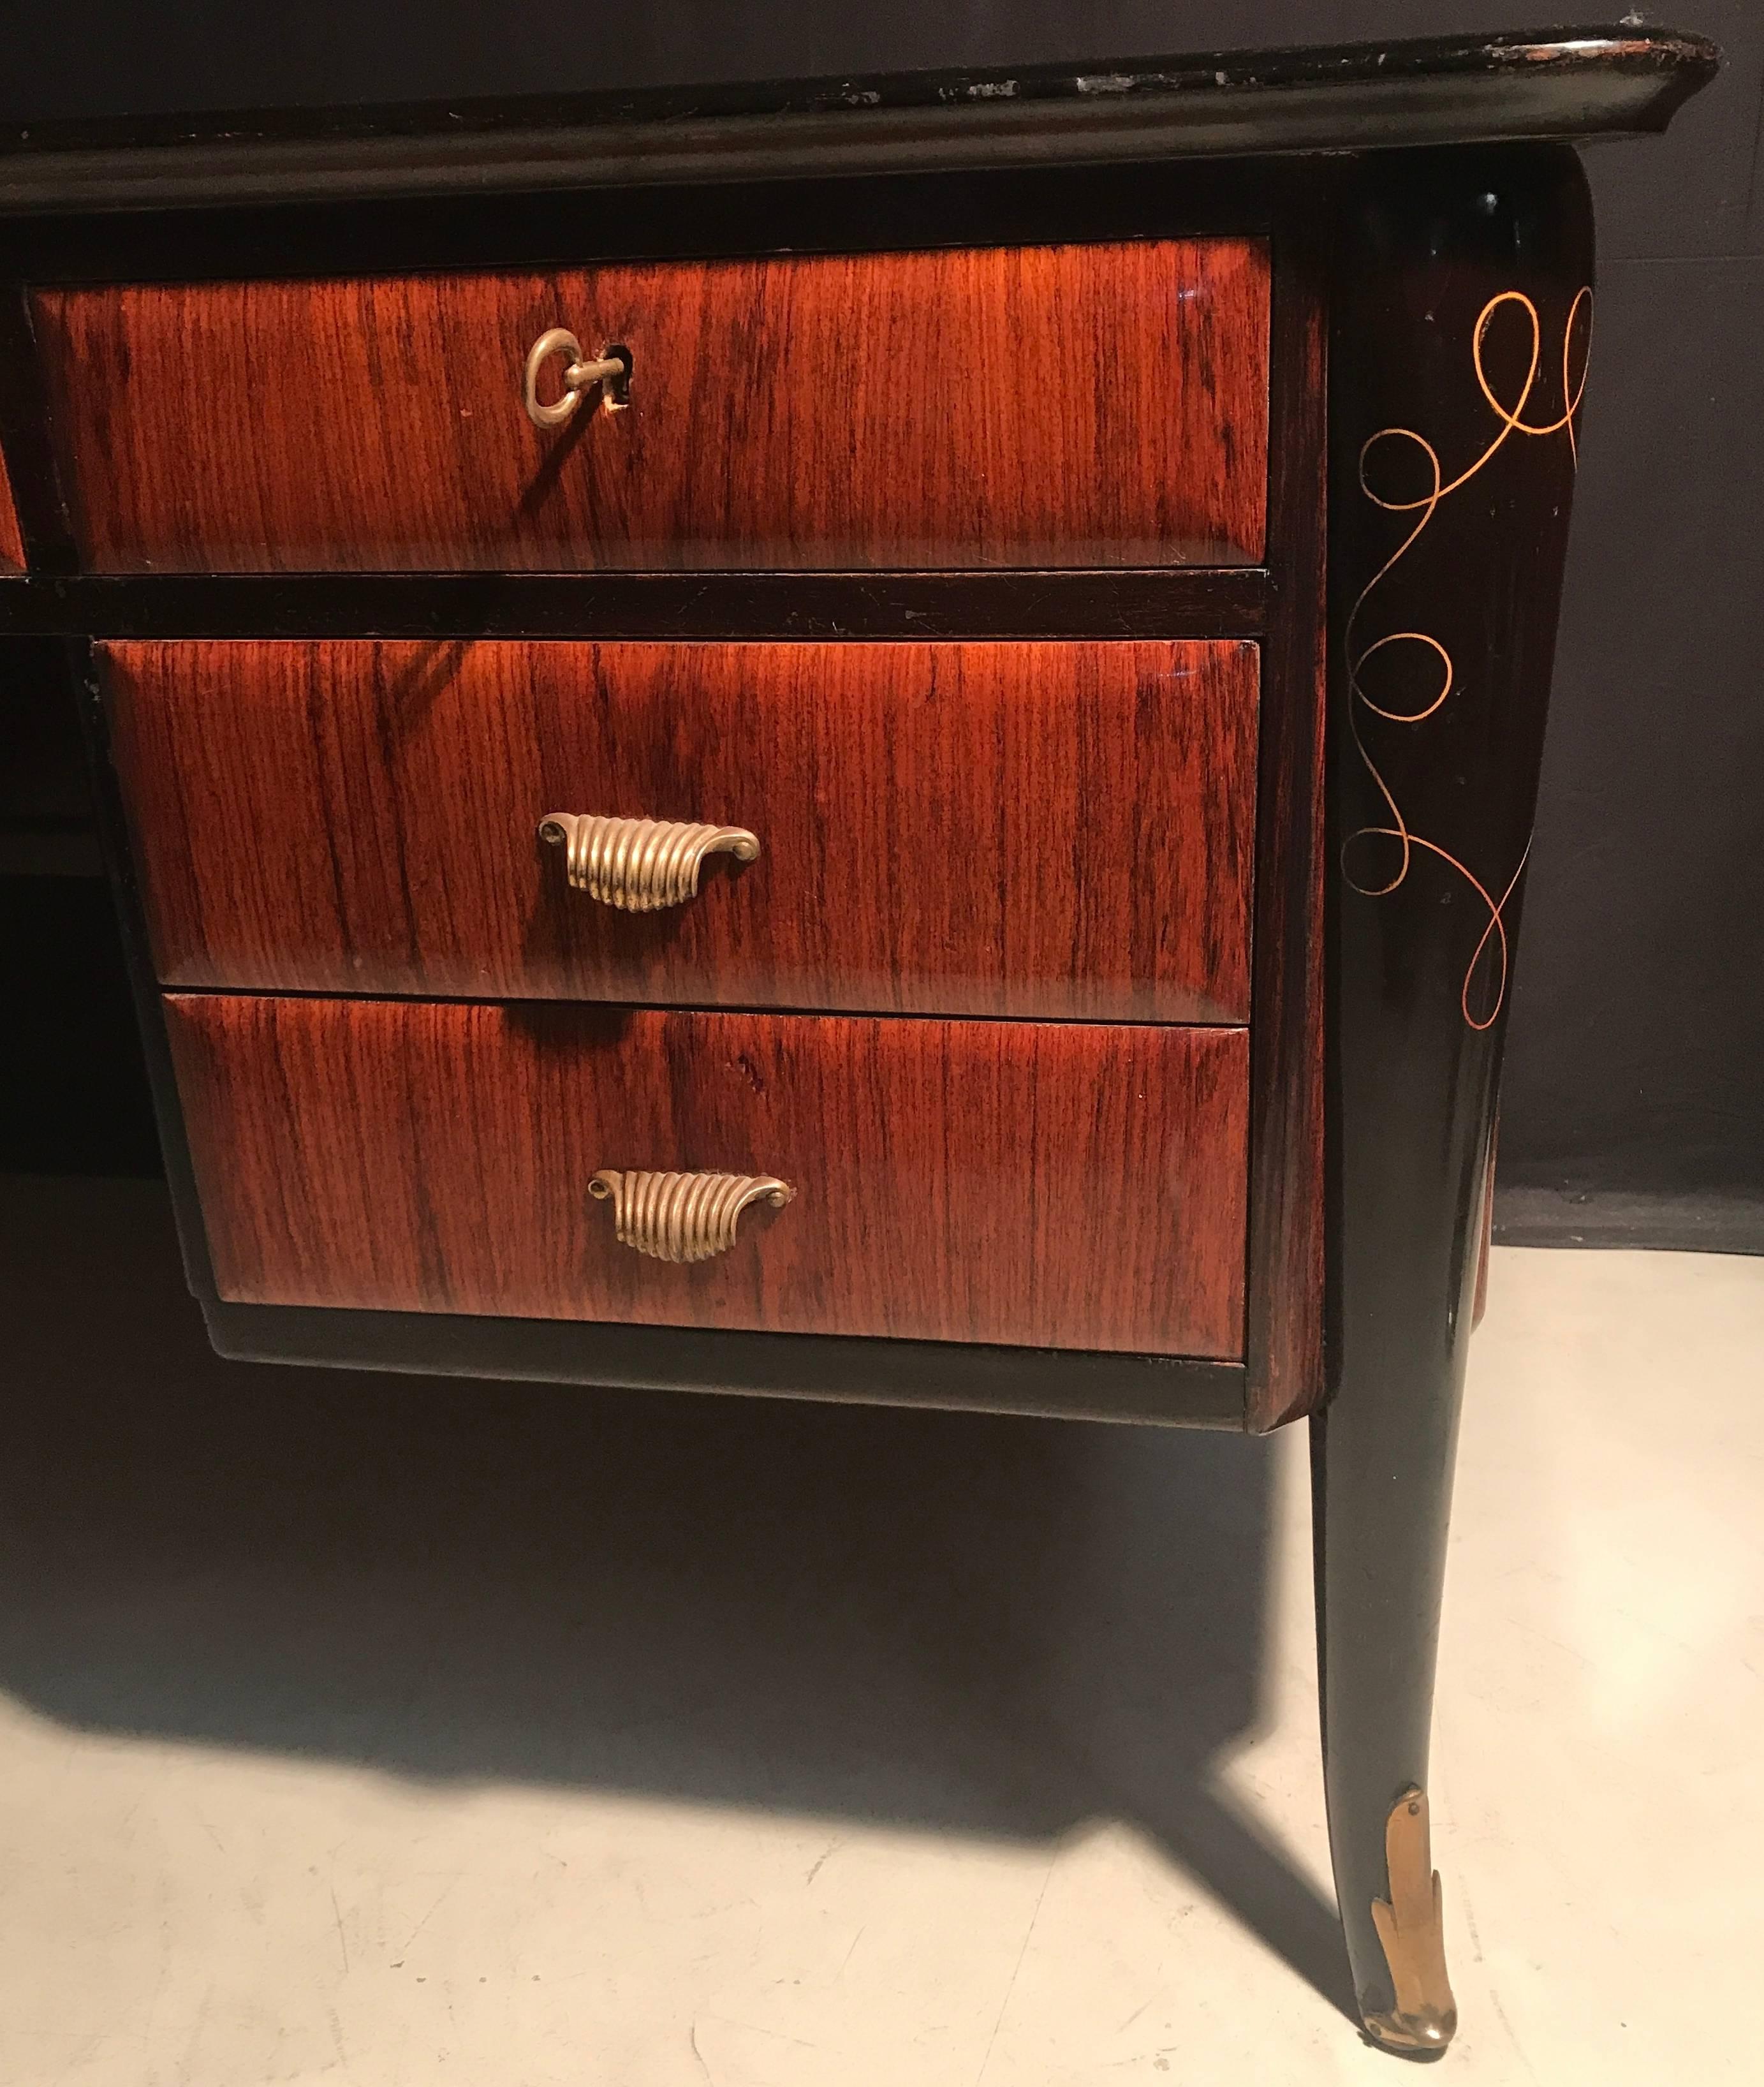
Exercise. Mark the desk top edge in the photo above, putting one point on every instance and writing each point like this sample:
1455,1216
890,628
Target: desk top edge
1562,84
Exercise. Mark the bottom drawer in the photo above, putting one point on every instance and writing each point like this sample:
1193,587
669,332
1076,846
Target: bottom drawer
1039,1184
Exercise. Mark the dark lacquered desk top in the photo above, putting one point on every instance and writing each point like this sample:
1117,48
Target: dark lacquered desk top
1563,83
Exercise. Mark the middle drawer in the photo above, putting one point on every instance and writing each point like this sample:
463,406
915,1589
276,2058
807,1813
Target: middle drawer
1054,830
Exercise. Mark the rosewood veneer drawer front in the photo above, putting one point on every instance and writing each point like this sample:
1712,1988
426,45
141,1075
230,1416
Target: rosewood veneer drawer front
1053,829
1052,1185
11,544
1069,406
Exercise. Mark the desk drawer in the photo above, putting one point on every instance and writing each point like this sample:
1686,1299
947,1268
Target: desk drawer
1070,405
1070,1186
1054,830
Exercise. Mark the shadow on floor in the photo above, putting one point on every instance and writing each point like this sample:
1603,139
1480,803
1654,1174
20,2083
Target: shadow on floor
993,1626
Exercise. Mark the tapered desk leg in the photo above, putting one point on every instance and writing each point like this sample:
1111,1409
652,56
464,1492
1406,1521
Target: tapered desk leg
1459,348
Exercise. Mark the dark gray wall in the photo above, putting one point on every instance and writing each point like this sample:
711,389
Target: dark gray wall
1637,1037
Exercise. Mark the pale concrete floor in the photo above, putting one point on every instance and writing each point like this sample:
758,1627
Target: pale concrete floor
374,1730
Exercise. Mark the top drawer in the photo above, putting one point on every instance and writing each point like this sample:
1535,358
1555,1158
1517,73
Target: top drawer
1060,406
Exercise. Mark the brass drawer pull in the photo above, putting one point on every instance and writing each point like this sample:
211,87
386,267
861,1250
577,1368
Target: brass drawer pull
639,865
683,1217
607,373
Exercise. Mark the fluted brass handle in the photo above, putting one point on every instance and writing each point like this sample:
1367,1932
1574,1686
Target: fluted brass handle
605,373
683,1217
639,865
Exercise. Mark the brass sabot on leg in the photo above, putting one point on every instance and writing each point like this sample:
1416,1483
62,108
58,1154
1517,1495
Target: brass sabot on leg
1412,1928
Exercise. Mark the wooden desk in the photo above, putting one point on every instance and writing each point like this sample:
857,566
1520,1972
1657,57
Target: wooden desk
869,739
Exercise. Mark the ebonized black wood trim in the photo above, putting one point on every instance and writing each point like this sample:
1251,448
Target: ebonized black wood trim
1454,275
1661,1221
499,231
1284,1343
562,228
1547,84
1169,603
1176,1391
143,985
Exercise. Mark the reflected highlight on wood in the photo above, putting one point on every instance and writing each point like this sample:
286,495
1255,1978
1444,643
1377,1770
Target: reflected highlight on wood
1071,406
1019,1182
